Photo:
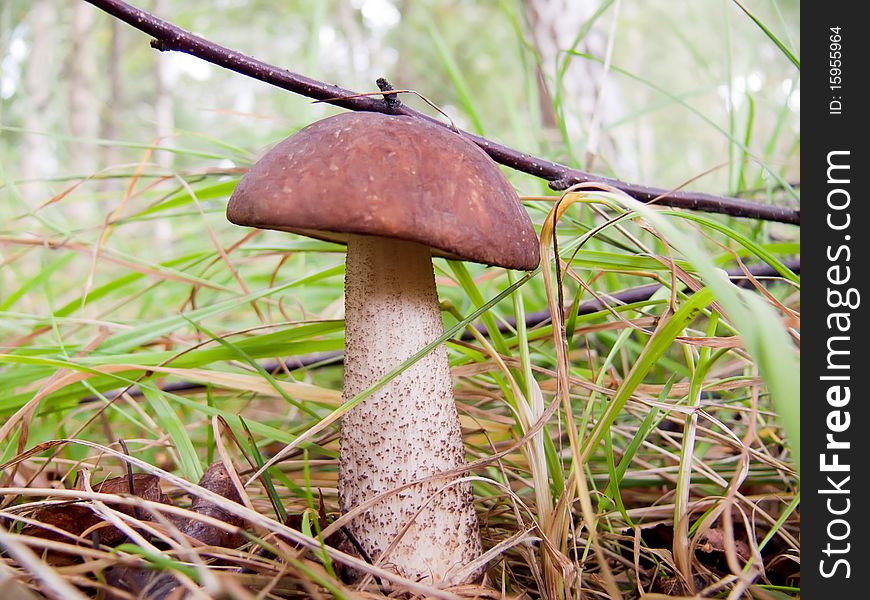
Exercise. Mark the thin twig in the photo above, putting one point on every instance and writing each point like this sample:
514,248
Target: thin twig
170,37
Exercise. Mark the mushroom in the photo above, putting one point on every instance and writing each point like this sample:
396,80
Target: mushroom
397,190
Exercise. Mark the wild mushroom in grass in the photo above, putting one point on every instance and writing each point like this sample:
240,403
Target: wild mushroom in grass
397,190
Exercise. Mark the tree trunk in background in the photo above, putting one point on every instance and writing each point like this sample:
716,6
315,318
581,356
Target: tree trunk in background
347,16
84,118
163,110
37,151
165,117
82,70
554,26
111,113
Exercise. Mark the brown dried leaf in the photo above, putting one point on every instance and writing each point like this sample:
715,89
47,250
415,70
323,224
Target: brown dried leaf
151,585
713,542
217,480
77,518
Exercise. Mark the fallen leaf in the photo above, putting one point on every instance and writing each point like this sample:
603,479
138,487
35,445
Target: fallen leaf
151,585
217,480
76,518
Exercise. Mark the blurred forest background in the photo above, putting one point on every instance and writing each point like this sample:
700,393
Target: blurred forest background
652,95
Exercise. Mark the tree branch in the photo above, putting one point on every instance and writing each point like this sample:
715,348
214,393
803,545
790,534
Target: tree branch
170,37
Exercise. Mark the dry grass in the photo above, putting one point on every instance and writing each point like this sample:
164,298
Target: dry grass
631,452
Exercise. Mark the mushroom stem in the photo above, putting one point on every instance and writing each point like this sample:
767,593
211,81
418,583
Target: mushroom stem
409,429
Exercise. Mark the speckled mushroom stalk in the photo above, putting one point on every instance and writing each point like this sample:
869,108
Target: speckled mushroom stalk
396,190
409,429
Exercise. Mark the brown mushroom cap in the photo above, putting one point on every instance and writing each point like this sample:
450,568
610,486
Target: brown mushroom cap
389,176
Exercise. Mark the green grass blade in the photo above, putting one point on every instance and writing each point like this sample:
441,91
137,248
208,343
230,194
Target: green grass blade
770,35
168,419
